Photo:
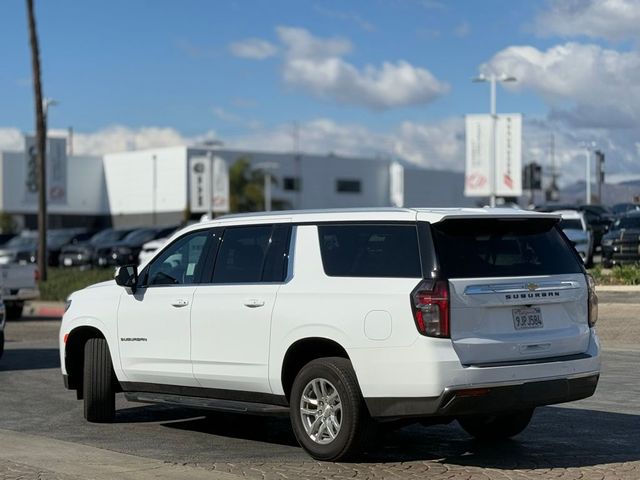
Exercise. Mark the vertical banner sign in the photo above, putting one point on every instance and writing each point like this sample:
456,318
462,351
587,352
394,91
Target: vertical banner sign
478,152
508,155
220,186
199,184
396,184
56,171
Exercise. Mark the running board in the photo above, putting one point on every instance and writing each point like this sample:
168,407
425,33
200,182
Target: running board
207,403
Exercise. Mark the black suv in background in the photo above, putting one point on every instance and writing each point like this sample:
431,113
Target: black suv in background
126,251
83,254
622,243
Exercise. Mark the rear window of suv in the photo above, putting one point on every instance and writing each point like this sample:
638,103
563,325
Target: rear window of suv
370,250
470,248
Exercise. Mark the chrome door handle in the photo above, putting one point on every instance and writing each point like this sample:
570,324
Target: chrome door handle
180,302
253,303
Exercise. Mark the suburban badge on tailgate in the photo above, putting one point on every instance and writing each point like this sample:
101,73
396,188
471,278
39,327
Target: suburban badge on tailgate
518,296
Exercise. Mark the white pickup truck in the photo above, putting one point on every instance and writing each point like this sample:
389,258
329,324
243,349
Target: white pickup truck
17,285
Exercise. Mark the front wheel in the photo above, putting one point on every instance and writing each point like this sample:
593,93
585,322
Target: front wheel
98,392
496,427
328,414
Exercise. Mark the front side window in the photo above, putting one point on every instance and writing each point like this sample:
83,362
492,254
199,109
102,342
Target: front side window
242,254
370,251
180,263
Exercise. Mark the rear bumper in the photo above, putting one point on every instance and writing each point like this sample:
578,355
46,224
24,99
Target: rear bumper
484,399
20,294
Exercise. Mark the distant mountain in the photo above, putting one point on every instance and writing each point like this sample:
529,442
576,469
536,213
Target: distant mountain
612,193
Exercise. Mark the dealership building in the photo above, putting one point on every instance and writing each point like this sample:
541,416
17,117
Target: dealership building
165,186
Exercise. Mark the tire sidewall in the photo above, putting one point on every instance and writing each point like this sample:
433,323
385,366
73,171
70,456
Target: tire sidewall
324,370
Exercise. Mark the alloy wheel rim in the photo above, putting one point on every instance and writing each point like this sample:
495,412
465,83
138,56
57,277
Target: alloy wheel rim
321,411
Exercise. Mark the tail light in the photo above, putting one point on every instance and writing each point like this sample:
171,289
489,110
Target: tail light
593,301
36,275
430,302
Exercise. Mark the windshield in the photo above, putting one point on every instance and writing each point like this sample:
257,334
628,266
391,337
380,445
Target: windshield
571,224
56,239
140,236
22,241
108,236
502,248
628,222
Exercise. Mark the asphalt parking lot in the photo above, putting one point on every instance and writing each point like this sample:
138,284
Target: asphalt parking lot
43,434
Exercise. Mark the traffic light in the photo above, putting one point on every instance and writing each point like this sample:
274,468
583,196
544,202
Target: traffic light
532,177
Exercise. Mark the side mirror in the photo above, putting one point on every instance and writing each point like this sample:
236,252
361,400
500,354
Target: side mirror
127,276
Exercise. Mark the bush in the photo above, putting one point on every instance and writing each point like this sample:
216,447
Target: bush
619,275
62,282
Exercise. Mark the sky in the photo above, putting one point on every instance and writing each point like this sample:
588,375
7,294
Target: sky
387,78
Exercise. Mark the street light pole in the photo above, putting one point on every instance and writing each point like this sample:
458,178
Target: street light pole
492,80
267,167
588,146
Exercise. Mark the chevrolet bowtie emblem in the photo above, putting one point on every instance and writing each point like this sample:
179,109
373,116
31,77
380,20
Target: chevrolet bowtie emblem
532,286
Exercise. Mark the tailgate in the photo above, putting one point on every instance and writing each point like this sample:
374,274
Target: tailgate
515,319
517,289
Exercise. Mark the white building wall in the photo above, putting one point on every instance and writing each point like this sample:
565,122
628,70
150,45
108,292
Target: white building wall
130,181
86,189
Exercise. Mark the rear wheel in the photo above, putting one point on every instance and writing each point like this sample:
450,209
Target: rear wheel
328,414
98,385
496,427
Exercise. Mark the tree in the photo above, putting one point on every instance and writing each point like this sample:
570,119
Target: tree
246,188
41,142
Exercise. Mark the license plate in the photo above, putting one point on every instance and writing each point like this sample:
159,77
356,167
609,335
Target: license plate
525,318
67,262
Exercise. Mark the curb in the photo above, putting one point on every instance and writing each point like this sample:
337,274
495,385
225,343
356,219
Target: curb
618,288
43,309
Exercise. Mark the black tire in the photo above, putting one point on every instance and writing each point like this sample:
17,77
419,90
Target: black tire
98,384
14,311
355,421
496,427
1,342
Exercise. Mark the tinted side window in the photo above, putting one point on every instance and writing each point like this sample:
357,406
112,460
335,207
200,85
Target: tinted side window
499,248
276,263
370,251
241,256
181,262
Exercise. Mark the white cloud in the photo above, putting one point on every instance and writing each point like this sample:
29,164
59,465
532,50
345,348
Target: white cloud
315,65
117,138
253,48
590,84
346,16
610,19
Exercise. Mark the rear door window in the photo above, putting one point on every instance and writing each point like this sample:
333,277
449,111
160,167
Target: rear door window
470,248
370,250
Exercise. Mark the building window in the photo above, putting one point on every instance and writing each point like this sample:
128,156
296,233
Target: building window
291,184
348,186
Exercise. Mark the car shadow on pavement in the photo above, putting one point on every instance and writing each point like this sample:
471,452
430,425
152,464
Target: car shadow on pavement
29,359
273,429
558,437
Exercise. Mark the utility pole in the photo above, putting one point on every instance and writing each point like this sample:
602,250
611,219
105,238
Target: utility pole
41,142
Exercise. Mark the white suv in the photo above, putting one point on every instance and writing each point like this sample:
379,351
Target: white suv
346,318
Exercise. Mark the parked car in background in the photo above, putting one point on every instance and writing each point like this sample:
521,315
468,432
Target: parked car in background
622,243
83,254
20,246
599,219
126,251
620,209
149,248
574,226
56,240
5,237
17,285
